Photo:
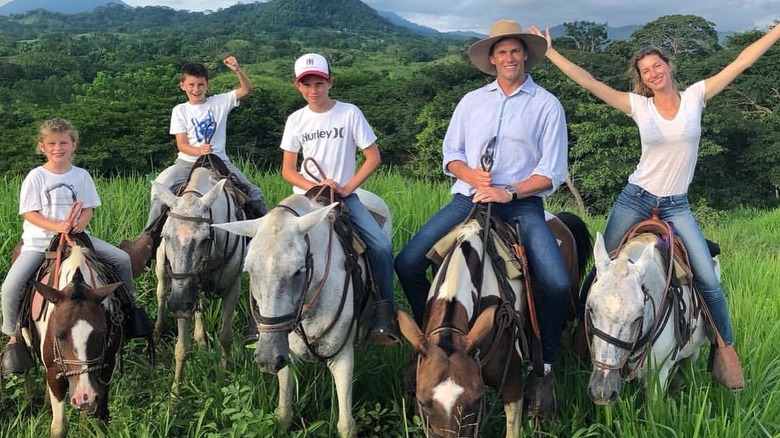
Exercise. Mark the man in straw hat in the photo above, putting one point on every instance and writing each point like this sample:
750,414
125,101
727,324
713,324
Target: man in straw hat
506,144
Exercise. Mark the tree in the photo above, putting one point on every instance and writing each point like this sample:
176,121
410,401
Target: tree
686,35
587,35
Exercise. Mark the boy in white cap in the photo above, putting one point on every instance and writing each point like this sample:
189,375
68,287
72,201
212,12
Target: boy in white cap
330,132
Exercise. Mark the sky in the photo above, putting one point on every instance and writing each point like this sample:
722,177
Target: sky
477,15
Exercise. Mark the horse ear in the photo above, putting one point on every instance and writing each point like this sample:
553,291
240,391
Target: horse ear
164,194
309,220
51,294
411,331
600,255
481,328
103,291
213,194
241,228
643,263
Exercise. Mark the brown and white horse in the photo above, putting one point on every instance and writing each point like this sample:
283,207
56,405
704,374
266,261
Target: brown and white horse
79,337
470,337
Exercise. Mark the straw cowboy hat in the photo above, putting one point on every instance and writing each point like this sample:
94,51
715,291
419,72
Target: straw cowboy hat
479,52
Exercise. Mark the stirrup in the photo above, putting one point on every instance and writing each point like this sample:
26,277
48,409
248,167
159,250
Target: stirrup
384,327
15,358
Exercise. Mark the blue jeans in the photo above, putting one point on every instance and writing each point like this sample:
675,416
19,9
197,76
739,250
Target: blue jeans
380,249
548,271
27,264
633,205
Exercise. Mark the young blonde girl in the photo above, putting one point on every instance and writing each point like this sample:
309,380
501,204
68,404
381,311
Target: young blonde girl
47,194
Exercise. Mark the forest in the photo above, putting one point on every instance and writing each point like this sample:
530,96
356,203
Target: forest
114,73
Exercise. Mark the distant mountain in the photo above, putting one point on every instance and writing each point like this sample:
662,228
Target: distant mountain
61,6
424,30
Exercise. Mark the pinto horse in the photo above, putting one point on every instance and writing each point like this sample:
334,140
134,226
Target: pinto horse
633,317
304,287
193,256
78,337
471,331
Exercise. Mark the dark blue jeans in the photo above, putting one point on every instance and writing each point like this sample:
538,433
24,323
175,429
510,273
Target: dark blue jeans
633,205
548,271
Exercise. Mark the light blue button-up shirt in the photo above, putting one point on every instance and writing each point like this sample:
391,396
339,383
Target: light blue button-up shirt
530,130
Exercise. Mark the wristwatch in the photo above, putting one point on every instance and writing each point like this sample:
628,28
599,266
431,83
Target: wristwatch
512,191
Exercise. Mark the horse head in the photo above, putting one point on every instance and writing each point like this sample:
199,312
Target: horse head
616,312
449,385
284,262
80,340
450,390
188,238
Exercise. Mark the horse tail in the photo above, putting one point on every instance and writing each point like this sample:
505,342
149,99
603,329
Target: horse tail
582,238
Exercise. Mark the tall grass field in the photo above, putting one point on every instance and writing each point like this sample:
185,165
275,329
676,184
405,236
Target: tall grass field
240,401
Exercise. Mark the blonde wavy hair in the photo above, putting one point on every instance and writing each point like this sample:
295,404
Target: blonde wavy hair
637,86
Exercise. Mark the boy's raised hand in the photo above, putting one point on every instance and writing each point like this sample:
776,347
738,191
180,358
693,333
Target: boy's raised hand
231,62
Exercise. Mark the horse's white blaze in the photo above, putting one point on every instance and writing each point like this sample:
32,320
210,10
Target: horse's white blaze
80,333
447,393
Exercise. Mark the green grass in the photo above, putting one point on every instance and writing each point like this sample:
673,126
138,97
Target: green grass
241,400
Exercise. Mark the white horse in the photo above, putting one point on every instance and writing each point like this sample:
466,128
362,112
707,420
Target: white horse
193,256
302,295
627,317
78,339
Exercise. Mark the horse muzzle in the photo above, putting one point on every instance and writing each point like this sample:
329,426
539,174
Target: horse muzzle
604,386
272,352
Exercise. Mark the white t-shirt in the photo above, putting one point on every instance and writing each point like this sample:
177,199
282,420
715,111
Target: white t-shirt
669,147
330,138
52,194
203,120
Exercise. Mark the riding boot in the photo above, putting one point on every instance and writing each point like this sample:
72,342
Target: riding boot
15,358
136,322
255,209
725,367
384,330
141,250
251,335
540,398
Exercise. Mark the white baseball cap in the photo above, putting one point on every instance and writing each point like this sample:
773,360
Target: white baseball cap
311,64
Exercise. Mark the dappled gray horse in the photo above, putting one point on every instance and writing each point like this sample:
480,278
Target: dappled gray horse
193,256
305,296
631,319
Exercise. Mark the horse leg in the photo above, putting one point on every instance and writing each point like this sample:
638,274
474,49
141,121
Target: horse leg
226,331
199,333
341,368
59,423
182,347
514,412
163,286
284,409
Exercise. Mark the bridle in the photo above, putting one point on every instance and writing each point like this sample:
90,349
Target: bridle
293,321
446,328
200,268
632,346
96,364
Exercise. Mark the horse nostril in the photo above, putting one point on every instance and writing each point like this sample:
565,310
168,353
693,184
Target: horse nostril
280,363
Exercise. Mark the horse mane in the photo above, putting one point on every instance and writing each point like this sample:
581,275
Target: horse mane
71,267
